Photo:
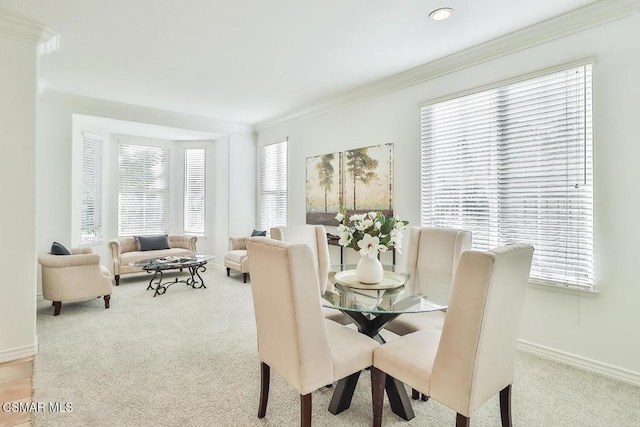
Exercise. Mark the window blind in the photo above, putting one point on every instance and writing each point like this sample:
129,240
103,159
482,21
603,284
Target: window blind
194,190
91,216
143,190
514,163
273,185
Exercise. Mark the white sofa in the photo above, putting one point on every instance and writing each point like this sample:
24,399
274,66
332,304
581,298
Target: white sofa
124,251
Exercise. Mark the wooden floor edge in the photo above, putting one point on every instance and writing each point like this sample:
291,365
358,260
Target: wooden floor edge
17,361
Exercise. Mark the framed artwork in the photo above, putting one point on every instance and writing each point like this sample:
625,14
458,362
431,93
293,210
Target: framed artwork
324,188
368,179
361,180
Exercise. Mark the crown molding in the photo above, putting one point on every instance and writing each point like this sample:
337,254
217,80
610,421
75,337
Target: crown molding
29,32
85,106
589,16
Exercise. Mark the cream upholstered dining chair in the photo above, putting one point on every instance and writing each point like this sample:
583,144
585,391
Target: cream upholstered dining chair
294,339
314,236
432,259
473,357
74,277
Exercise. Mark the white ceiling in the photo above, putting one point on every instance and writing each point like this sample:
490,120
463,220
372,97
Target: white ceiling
251,60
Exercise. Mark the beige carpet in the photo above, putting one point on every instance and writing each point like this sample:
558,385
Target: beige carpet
188,358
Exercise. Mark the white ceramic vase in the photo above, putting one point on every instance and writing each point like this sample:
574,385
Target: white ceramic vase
369,270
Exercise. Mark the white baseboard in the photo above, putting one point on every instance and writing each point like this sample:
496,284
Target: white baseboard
580,362
19,353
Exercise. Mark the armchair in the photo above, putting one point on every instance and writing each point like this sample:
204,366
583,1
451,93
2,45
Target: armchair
74,277
237,258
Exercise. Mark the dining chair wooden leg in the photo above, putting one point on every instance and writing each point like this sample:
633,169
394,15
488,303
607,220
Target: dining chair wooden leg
305,410
57,305
107,298
462,421
265,374
377,395
505,406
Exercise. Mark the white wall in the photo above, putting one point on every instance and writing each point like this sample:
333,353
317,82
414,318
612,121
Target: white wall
598,332
242,176
18,213
57,217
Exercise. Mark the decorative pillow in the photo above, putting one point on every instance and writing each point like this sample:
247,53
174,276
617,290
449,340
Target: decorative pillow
152,243
59,249
255,233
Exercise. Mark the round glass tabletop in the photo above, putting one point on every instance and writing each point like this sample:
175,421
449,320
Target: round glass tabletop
389,296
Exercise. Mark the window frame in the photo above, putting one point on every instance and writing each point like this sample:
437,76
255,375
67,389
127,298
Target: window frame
185,202
589,283
92,142
273,216
164,222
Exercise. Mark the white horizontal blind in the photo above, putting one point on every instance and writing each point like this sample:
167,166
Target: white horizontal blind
273,185
143,190
91,216
194,190
514,163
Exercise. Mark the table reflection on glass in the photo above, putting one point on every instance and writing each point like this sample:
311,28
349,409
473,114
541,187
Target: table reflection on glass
371,307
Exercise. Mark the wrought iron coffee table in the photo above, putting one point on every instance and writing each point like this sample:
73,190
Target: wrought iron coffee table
194,265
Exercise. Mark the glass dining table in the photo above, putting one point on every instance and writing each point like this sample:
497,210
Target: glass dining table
371,307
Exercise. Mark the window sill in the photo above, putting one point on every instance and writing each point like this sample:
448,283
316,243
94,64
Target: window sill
91,243
591,293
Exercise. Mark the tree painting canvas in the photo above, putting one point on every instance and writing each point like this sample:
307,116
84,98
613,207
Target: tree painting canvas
324,188
368,179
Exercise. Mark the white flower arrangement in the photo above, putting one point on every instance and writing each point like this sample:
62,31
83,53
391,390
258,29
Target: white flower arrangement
370,233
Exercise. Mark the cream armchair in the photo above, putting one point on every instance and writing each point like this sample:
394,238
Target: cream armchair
237,259
74,277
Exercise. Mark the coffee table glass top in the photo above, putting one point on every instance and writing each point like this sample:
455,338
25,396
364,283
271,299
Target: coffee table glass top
390,296
171,262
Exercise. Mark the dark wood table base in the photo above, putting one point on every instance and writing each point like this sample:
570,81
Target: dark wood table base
343,393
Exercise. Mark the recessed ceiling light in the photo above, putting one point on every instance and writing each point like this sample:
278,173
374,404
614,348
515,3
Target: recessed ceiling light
441,14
